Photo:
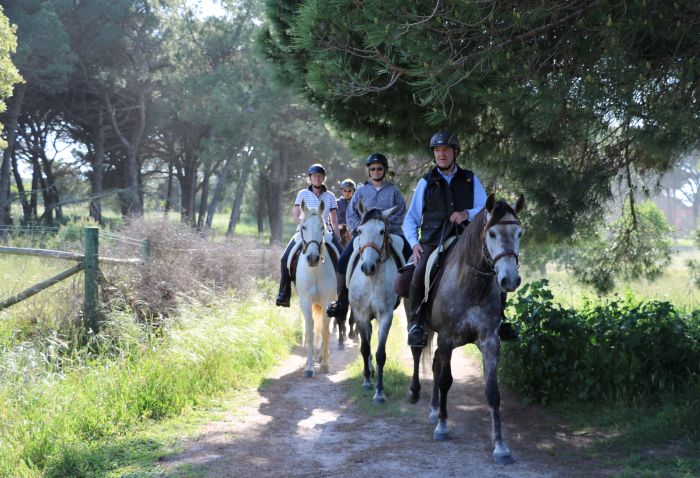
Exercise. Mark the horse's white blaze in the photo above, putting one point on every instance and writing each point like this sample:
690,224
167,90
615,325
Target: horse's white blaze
315,281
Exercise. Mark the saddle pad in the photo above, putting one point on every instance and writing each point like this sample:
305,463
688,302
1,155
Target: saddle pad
432,260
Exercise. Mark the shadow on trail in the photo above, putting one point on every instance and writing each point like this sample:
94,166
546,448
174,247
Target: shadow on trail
313,427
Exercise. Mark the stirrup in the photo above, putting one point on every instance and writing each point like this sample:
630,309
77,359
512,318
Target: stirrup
417,337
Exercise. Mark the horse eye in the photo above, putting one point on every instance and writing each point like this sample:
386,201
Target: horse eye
520,234
303,228
381,233
492,234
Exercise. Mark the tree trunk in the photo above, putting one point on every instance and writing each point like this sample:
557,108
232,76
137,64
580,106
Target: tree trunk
203,200
188,186
11,128
220,182
262,201
169,190
98,169
26,202
238,199
278,177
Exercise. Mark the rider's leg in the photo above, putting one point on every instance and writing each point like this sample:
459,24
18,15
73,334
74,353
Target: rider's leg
506,330
285,292
416,330
339,308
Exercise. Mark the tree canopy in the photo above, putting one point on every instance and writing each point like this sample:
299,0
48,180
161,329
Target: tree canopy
8,72
553,98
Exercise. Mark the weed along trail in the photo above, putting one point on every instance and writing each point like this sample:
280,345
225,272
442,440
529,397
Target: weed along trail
297,427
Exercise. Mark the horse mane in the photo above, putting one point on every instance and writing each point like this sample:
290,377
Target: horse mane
469,247
374,213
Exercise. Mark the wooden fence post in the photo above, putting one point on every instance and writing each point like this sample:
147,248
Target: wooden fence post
145,251
90,303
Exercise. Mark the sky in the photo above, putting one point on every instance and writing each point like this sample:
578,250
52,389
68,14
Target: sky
208,7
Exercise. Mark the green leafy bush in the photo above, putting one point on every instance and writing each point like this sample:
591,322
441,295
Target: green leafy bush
623,349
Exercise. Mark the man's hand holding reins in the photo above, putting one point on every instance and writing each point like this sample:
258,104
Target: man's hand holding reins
458,217
417,251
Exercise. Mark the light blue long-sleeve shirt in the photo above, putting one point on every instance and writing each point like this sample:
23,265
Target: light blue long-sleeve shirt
414,215
384,197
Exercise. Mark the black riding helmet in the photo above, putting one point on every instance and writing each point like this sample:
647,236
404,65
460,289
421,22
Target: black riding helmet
378,158
348,184
316,168
445,138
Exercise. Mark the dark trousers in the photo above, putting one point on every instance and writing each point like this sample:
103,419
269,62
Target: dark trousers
417,292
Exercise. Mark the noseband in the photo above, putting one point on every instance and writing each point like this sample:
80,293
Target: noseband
383,256
305,244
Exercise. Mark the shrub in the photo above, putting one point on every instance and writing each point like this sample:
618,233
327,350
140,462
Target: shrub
623,349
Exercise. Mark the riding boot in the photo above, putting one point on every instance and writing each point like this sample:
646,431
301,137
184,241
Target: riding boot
339,308
417,337
285,292
506,330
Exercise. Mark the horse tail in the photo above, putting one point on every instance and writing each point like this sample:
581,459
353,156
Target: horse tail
319,314
426,357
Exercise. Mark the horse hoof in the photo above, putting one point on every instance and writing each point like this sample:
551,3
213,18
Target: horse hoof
341,346
441,436
308,373
379,400
324,368
367,385
413,397
503,459
352,335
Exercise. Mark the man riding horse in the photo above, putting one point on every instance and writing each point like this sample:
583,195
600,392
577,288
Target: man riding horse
444,201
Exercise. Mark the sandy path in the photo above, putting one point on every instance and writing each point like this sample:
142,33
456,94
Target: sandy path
297,427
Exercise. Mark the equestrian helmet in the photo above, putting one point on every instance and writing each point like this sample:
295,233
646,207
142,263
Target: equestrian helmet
377,158
316,168
445,138
348,184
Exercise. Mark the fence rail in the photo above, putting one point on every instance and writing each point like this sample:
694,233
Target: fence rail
88,262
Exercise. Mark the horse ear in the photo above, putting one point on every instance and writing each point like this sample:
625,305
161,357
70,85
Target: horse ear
360,207
519,204
303,207
388,212
490,202
321,207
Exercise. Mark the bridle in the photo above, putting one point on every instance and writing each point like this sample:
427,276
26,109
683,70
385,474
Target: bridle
491,261
305,244
383,256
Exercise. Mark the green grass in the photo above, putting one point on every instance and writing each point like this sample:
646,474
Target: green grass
674,285
89,415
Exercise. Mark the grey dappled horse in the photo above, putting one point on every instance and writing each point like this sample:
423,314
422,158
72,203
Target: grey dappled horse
371,290
466,308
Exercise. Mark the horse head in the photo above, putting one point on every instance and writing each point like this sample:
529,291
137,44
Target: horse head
502,240
374,233
312,230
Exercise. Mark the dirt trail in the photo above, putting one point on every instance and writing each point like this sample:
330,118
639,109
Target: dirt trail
297,427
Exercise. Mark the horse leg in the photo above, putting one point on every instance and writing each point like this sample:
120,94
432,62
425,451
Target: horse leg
308,337
490,349
341,332
352,332
414,390
441,432
435,398
384,326
325,341
365,335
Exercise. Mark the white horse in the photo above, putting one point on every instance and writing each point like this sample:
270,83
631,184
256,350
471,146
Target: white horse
316,285
371,289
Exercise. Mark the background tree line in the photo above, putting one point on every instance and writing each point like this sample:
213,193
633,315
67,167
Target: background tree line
152,100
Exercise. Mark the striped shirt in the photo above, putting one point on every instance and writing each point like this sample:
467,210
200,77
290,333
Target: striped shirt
314,201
